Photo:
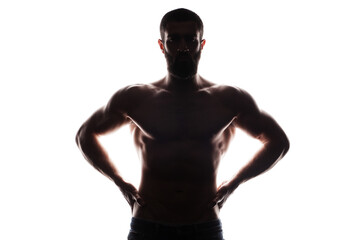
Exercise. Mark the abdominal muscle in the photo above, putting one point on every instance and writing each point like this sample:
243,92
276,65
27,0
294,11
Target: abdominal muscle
178,181
176,202
177,190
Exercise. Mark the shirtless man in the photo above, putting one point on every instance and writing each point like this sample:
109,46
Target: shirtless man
182,125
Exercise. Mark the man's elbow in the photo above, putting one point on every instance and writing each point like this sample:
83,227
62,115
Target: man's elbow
284,145
78,137
279,144
82,135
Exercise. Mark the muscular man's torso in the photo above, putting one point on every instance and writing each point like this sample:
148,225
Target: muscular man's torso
181,138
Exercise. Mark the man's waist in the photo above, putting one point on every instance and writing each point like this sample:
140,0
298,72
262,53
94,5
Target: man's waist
150,226
177,197
180,209
176,217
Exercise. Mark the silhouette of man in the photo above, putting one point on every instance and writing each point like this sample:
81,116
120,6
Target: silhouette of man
182,124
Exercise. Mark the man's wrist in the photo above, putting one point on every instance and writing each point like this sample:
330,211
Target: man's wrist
118,181
233,184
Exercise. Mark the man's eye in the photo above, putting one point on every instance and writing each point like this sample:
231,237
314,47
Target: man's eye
173,39
192,39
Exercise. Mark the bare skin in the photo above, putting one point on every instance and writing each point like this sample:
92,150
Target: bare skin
182,125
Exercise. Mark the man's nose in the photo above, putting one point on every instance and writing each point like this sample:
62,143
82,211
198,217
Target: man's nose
183,46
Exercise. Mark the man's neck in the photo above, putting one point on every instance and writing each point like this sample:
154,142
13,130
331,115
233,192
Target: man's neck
183,85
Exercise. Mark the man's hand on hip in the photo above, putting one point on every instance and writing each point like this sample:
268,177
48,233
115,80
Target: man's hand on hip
131,194
222,194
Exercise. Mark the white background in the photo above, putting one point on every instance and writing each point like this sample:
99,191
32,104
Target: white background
62,60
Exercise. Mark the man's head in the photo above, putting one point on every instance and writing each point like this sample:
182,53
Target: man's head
181,15
181,41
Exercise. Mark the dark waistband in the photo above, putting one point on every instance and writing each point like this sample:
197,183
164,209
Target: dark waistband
143,225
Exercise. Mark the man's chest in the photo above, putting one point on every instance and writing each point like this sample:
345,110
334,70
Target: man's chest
196,117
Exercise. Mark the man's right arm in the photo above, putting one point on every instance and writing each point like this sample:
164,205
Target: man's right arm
107,119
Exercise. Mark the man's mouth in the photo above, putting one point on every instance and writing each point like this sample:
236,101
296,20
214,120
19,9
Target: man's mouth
183,58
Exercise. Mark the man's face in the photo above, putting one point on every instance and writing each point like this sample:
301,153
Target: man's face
182,48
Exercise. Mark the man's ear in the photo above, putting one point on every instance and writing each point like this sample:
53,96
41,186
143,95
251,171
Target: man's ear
203,43
161,45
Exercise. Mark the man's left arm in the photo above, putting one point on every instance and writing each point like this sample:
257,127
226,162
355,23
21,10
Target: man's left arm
262,127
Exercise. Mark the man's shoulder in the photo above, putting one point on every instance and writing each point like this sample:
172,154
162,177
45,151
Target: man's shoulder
228,92
135,91
130,96
233,97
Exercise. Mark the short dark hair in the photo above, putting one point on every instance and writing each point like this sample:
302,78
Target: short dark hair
181,15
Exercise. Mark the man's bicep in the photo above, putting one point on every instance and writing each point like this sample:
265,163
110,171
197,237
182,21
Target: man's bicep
105,120
108,118
115,113
255,122
259,125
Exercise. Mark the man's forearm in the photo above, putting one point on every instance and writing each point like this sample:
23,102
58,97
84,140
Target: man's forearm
266,158
96,155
